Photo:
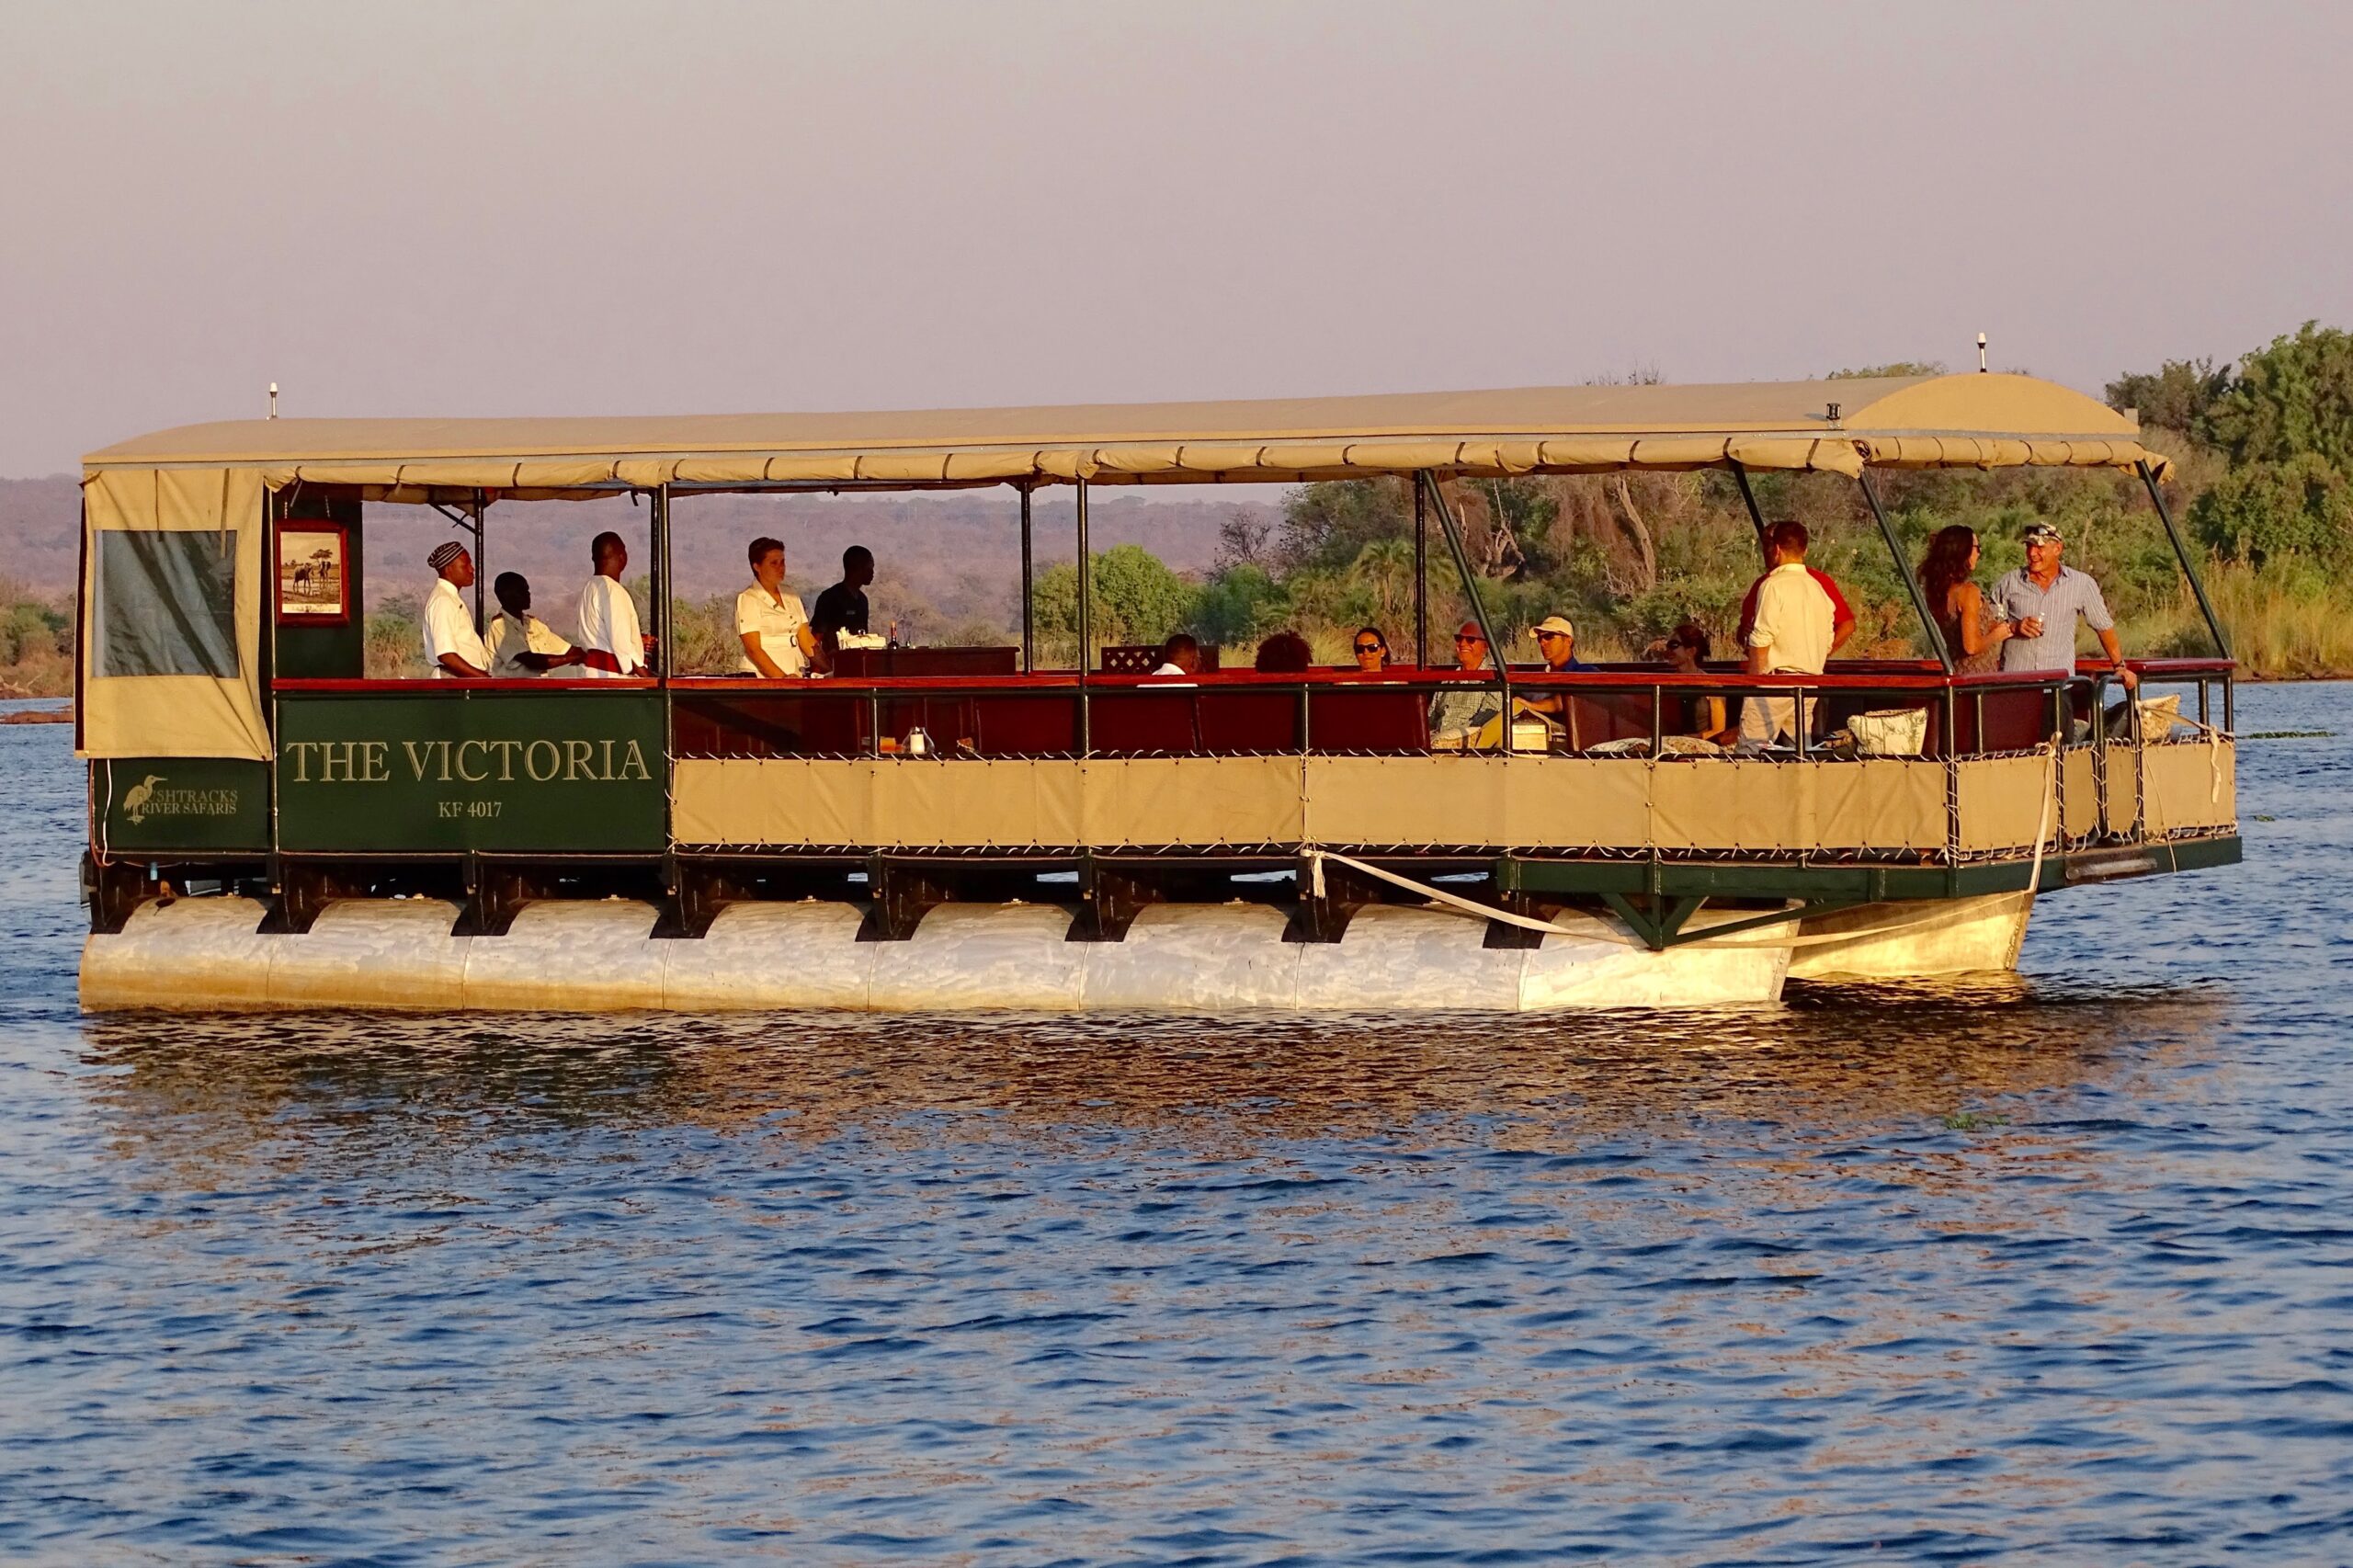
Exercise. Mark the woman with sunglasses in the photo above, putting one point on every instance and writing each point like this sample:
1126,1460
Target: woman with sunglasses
1371,650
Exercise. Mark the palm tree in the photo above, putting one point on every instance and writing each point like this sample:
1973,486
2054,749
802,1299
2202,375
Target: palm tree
1385,568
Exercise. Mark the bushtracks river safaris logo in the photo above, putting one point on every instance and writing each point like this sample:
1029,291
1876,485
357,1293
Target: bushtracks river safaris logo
148,798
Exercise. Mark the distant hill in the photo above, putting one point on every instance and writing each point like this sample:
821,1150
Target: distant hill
944,560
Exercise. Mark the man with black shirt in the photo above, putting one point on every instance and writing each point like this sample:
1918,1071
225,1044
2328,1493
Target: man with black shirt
842,607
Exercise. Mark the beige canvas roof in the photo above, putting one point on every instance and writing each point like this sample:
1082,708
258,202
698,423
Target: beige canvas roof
1972,421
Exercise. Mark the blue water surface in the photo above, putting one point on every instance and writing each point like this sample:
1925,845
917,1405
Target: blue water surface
2055,1271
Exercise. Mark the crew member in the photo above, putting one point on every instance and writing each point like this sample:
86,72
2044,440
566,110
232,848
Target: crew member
770,621
611,642
520,645
842,607
452,646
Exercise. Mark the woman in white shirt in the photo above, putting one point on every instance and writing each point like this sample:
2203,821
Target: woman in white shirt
768,620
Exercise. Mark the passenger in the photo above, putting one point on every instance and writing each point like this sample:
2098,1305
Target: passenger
1180,655
1556,639
769,621
1686,650
1370,647
2043,599
612,644
1842,615
1973,635
842,607
452,646
1463,717
520,645
1792,634
1286,652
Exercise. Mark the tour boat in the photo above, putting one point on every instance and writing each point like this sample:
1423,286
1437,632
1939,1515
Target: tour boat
958,828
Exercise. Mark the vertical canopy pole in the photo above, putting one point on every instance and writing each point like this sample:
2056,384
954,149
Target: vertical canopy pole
2181,554
1085,627
1029,635
481,563
1421,578
1763,545
663,666
1903,565
1471,588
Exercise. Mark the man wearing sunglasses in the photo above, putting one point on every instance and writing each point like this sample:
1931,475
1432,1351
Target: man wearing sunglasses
1460,713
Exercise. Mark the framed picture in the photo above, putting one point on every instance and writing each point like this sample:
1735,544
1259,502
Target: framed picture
314,587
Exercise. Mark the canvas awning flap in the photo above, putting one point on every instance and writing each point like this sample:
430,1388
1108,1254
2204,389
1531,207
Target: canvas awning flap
172,593
1836,426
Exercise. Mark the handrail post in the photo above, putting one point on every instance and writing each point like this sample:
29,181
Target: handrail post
1453,531
2181,554
1085,657
1903,565
1421,577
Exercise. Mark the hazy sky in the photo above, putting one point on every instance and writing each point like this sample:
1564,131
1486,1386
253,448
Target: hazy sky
594,207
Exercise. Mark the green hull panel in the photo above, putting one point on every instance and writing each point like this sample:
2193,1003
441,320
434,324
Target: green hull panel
500,772
151,806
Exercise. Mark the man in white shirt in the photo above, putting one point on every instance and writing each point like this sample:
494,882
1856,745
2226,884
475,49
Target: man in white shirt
612,644
768,620
452,646
520,645
1791,636
1180,655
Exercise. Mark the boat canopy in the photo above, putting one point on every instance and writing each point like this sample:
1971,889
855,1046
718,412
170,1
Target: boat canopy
1838,426
174,581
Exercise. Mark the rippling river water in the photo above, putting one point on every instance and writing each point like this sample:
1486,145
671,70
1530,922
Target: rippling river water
2057,1270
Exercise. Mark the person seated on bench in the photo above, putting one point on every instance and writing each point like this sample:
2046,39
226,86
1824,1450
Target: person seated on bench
1370,648
1703,713
1286,652
1464,717
1180,655
1556,639
520,645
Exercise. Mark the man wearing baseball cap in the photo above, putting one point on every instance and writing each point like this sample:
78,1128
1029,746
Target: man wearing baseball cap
2045,598
452,646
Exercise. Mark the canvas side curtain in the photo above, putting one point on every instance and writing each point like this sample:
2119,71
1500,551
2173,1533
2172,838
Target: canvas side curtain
172,593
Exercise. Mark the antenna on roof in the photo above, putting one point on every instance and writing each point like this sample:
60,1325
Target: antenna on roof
1981,353
273,399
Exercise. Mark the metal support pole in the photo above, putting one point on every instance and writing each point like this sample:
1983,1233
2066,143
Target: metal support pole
1446,521
1421,578
2181,554
1903,565
1756,517
662,667
1028,632
1085,628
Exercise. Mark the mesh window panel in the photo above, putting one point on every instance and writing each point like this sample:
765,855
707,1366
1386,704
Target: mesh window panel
166,604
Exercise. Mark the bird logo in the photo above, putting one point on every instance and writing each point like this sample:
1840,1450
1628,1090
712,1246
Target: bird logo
135,799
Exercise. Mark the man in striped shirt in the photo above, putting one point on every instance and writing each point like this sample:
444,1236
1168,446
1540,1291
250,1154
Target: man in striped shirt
2045,598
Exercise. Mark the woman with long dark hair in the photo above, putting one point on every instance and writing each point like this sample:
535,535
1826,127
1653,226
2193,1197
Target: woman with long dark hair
1974,636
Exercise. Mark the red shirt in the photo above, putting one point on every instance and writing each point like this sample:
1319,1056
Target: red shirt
1840,615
